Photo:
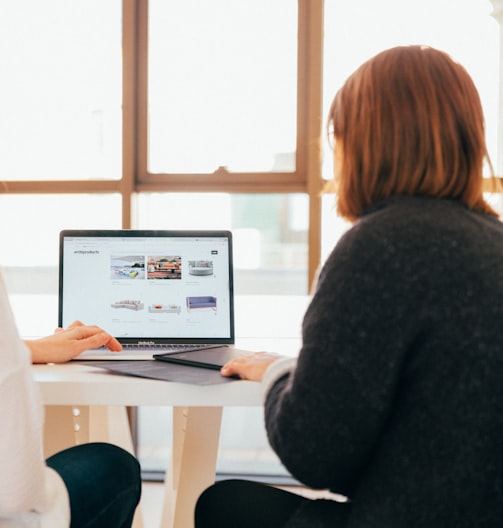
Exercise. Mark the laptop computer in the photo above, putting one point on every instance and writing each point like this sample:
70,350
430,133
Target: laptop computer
156,291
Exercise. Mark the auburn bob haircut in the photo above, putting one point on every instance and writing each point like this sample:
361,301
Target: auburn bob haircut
410,122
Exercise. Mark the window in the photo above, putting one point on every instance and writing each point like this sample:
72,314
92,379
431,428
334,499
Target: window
60,99
223,103
75,119
29,249
222,88
269,233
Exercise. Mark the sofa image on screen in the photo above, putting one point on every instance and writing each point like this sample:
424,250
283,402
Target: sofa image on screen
164,308
201,302
129,304
200,267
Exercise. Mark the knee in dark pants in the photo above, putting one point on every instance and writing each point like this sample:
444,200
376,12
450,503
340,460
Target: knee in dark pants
244,504
210,507
103,483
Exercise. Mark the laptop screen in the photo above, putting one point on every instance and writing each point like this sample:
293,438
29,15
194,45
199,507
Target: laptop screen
149,286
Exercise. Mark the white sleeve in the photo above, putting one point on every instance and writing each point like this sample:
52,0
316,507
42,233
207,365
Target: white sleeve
276,370
26,483
56,514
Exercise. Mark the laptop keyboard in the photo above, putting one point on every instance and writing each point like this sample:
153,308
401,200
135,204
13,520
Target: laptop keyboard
167,347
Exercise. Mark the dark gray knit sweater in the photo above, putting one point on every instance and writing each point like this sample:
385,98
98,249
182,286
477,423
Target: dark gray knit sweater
397,398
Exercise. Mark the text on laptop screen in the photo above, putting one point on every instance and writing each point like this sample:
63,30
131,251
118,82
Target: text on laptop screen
166,286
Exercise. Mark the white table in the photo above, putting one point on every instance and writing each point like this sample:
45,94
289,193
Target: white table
89,404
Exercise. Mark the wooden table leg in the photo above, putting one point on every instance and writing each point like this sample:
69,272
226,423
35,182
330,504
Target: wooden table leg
196,432
59,429
67,426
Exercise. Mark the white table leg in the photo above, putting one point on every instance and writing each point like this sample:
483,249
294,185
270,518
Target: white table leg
196,432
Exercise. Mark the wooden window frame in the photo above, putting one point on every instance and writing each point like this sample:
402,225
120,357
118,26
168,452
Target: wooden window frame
135,177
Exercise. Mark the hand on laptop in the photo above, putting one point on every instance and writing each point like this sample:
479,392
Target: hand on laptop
67,343
251,366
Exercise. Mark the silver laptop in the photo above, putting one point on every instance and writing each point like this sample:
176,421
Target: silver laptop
155,291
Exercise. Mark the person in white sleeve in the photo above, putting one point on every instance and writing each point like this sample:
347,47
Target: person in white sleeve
92,485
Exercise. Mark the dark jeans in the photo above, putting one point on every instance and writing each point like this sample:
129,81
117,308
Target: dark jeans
245,504
103,482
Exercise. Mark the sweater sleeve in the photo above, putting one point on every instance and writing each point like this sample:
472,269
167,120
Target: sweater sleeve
276,371
28,488
324,419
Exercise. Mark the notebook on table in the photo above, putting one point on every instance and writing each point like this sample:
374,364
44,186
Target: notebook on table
158,292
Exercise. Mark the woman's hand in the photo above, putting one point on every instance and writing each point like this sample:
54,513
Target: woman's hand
67,343
250,367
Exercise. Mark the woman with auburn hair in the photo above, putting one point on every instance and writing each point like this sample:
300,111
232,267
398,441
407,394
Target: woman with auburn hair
395,399
411,123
